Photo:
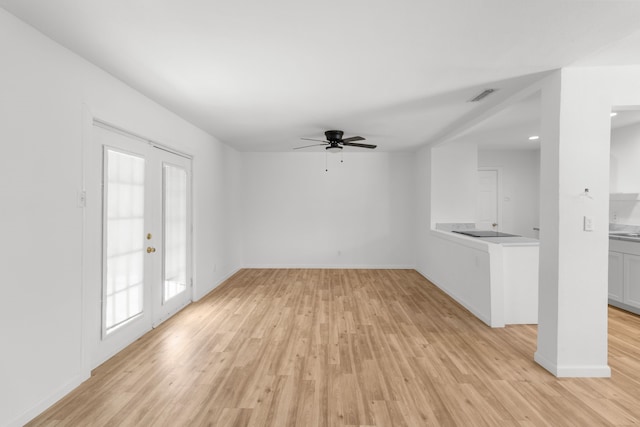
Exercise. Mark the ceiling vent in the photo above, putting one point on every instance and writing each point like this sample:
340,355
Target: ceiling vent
482,95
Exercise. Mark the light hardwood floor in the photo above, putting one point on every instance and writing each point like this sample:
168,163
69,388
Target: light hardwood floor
345,348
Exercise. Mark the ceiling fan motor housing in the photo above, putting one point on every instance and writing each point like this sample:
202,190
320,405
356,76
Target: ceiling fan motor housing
333,135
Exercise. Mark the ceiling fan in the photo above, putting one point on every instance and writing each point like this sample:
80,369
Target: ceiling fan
335,143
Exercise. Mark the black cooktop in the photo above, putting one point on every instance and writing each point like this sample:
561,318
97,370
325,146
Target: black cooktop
485,233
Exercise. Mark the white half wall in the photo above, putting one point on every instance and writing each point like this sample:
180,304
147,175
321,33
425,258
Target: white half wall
44,90
520,198
463,270
357,214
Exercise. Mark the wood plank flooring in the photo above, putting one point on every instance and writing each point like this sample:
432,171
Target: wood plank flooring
345,348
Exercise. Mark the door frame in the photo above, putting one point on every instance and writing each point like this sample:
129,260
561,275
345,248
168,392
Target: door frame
498,170
91,267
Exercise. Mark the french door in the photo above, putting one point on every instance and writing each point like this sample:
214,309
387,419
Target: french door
145,237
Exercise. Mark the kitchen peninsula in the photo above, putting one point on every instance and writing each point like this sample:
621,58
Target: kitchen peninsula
496,278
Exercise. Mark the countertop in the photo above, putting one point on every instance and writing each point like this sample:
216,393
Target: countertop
510,241
617,231
504,241
625,238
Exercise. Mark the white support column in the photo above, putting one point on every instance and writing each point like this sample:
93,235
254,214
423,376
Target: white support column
572,330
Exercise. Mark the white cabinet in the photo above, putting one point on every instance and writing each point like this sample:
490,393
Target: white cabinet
615,276
624,274
631,280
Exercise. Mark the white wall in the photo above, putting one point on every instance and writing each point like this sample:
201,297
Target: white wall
423,221
520,176
625,174
44,87
358,214
217,217
454,182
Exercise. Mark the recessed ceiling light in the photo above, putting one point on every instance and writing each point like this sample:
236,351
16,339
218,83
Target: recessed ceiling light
613,114
534,137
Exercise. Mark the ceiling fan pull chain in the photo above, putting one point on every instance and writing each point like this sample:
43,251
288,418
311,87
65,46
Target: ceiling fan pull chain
326,162
341,157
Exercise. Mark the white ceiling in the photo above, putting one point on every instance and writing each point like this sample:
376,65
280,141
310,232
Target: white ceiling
511,128
261,74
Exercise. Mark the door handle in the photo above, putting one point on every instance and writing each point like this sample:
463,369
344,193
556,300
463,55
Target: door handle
150,249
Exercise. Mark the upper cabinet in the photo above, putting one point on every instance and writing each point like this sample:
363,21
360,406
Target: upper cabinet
624,196
624,178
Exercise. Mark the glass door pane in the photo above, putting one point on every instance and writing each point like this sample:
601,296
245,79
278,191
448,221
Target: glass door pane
175,212
123,224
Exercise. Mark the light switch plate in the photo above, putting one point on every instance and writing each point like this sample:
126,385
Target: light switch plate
588,223
82,199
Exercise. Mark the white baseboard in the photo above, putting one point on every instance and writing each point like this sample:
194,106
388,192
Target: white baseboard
218,283
624,306
301,266
334,266
573,371
545,363
587,371
48,401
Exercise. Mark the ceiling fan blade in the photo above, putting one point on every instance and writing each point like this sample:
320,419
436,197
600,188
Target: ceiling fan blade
351,144
353,138
318,140
314,145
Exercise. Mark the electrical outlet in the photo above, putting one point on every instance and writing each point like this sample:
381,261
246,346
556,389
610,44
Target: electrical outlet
588,223
614,217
